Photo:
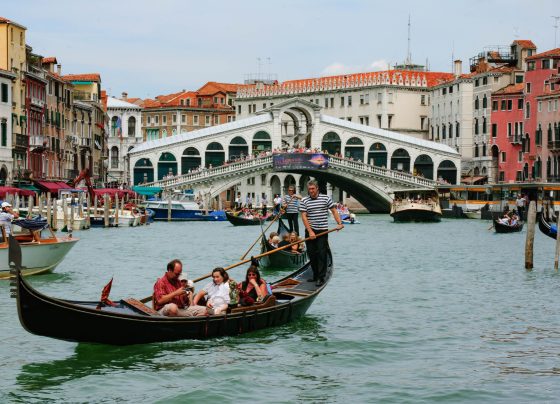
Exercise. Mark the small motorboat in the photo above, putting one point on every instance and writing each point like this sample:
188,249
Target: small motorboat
416,206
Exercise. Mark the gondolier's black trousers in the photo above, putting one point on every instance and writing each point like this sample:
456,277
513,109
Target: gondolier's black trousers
318,250
293,223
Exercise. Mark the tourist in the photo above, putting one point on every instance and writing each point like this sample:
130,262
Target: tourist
216,292
253,289
295,248
285,240
6,217
315,215
275,241
171,298
277,203
264,205
291,207
271,236
520,203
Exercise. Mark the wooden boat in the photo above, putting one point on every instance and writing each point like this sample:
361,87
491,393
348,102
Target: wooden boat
546,227
473,214
240,220
37,257
423,207
131,322
506,228
282,259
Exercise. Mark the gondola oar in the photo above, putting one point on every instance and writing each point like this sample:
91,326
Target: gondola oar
260,235
148,298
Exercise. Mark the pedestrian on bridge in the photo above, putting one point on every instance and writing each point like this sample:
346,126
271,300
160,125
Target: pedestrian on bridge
315,215
291,207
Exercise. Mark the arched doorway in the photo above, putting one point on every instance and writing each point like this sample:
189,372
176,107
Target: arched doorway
377,155
238,148
143,171
214,155
261,142
400,160
190,160
424,166
303,180
114,157
354,149
275,185
447,172
289,180
331,143
3,175
167,165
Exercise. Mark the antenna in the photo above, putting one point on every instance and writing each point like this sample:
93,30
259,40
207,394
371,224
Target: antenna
556,18
408,56
452,55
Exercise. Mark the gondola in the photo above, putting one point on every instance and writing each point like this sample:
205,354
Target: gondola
131,322
242,221
282,259
547,228
505,228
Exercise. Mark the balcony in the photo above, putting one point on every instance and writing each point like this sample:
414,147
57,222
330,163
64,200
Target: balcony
554,145
71,174
84,96
515,139
38,141
85,143
22,141
36,102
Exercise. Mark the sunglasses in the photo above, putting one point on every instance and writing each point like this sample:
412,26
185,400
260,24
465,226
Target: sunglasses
252,275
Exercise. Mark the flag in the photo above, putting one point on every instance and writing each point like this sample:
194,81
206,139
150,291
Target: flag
119,128
105,296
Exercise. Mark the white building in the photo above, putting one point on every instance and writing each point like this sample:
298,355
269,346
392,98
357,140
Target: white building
396,100
125,132
6,160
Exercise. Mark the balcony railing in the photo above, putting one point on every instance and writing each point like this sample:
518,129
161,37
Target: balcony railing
85,142
22,141
38,141
515,139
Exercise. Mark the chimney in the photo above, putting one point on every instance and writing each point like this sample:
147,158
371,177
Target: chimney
457,67
124,96
59,70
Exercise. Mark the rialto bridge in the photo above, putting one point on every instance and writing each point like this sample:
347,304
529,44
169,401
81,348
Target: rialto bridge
365,162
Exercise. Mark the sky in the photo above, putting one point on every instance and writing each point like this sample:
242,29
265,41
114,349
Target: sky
147,48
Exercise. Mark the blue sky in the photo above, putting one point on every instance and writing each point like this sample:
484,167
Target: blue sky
148,48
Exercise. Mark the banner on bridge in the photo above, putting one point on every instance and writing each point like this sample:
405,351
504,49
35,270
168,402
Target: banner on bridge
300,161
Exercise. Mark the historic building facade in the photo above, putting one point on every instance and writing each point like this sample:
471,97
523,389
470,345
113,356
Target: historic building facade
125,132
6,162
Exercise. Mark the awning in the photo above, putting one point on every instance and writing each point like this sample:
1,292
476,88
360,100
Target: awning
472,180
12,191
99,192
148,191
29,187
51,186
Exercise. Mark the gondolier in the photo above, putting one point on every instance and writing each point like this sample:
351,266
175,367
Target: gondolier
291,207
315,215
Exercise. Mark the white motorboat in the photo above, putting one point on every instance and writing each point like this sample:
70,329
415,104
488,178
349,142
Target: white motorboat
38,257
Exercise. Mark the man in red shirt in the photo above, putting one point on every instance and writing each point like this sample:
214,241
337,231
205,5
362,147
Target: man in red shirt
171,298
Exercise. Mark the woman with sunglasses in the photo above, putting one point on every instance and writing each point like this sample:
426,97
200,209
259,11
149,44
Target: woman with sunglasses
253,289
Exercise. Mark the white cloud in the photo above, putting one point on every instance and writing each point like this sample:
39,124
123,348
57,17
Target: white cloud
337,68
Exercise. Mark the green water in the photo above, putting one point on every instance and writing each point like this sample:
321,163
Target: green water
438,312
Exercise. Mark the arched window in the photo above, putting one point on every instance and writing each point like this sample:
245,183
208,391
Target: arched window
114,157
131,126
354,149
115,126
331,143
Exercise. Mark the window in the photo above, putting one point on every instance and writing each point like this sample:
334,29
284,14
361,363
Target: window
422,120
484,81
502,176
484,125
450,89
326,102
157,119
349,100
530,65
476,83
239,109
509,129
422,100
366,98
195,120
503,157
539,106
475,126
164,119
183,118
476,103
520,103
379,98
264,105
4,133
174,118
494,105
443,91
364,120
503,105
476,150
457,132
484,102
4,92
443,131
216,119
527,111
349,119
332,102
149,119
316,101
341,101
518,78
207,120
528,88
494,130
362,100
509,104
546,64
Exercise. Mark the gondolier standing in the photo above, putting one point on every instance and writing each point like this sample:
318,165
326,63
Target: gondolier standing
291,206
315,215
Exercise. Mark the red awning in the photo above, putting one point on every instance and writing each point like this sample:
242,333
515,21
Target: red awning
12,191
52,186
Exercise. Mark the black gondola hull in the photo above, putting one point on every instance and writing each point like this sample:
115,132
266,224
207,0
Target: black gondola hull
416,215
281,259
241,221
504,228
545,227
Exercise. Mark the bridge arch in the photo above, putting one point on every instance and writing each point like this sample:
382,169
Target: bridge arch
331,143
275,185
190,159
447,171
167,165
354,149
301,117
377,155
400,160
424,166
289,180
215,155
237,148
261,142
143,171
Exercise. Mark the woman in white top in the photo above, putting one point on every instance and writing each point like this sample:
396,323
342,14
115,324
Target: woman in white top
216,292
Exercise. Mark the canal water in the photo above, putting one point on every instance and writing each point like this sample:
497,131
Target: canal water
415,312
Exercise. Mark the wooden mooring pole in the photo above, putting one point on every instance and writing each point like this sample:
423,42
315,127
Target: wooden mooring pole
531,220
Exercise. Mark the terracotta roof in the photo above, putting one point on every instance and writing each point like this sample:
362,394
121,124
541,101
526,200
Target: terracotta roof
213,87
510,89
83,77
49,60
7,21
525,43
133,100
552,52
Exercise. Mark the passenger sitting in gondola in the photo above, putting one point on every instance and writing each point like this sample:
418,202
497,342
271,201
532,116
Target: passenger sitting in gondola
271,236
216,292
285,240
275,241
296,248
253,289
170,298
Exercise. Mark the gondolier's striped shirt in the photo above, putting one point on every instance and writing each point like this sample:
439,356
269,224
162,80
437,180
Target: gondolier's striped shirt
292,204
317,211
